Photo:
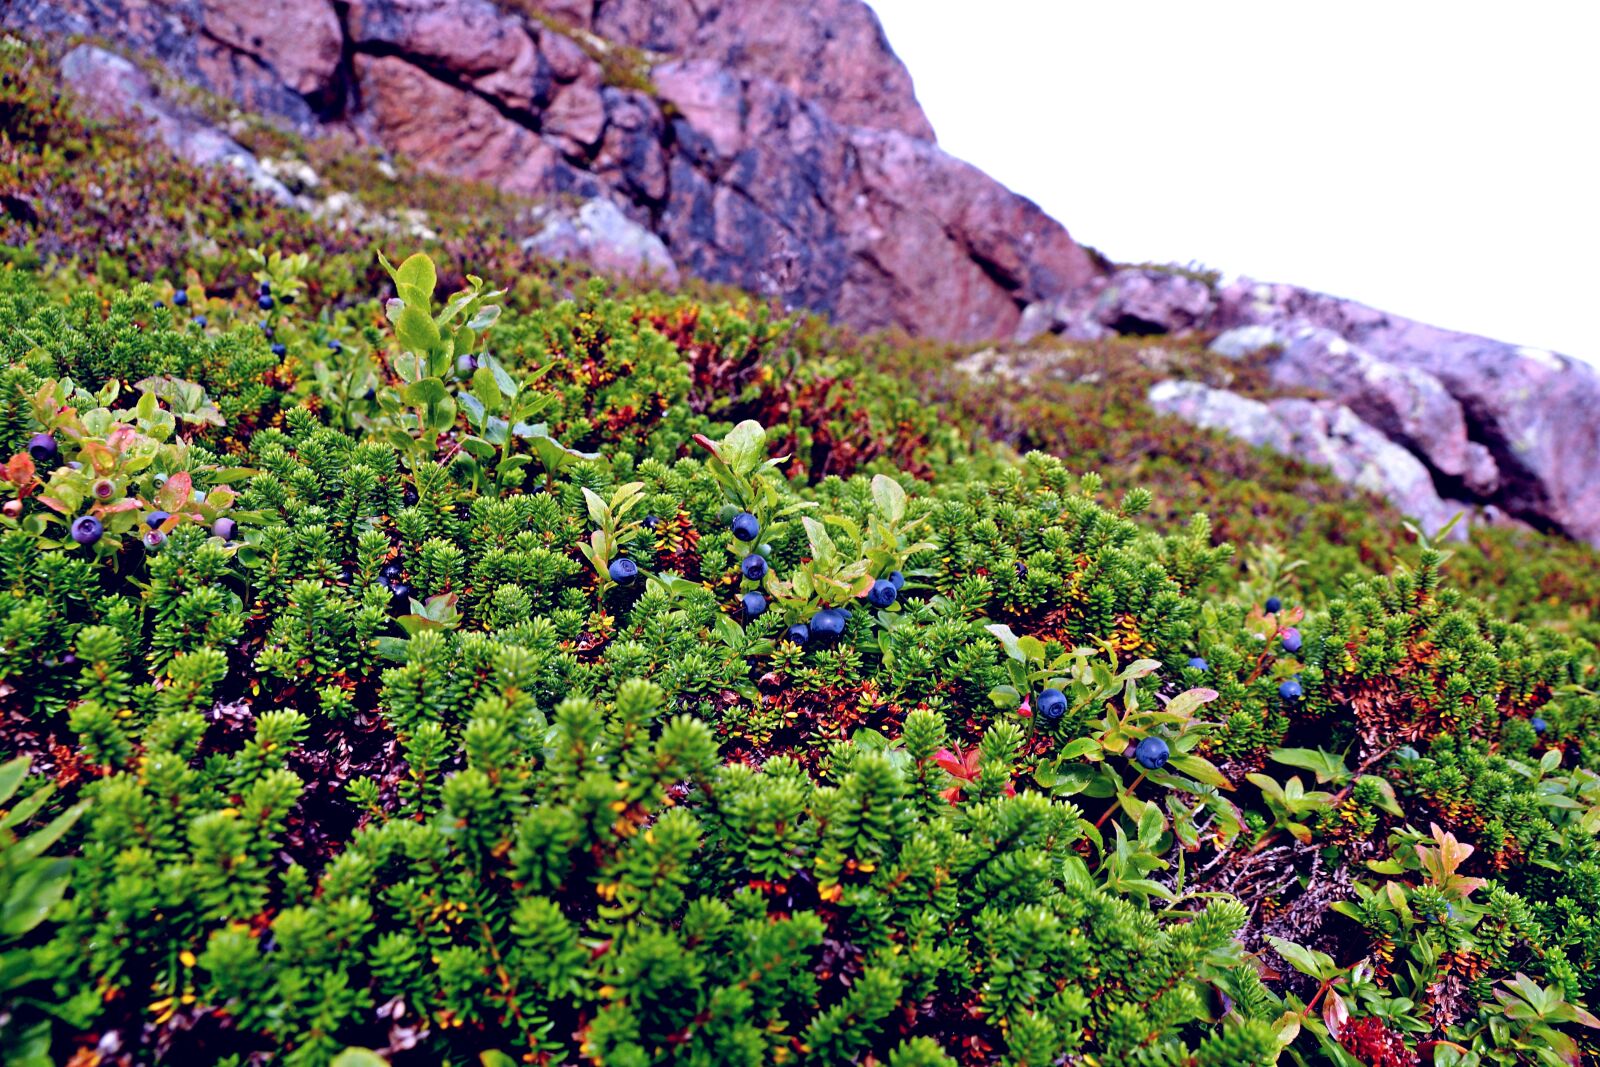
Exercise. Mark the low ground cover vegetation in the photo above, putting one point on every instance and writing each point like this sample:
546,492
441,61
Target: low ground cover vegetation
399,666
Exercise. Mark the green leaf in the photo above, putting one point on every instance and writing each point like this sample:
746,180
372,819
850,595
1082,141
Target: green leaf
1139,668
486,387
1008,641
1186,702
1201,770
484,317
742,449
1079,748
1005,696
361,1057
39,888
1307,961
26,809
416,280
823,550
11,776
1070,781
474,409
889,496
416,331
35,843
599,513
1327,766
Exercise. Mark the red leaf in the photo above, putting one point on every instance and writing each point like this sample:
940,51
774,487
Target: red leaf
20,469
175,494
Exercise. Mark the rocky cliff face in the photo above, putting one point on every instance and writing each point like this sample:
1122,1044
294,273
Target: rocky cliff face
772,145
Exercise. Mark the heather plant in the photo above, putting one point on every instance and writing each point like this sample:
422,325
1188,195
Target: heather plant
637,677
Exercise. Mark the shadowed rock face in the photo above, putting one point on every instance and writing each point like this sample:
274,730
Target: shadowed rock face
772,145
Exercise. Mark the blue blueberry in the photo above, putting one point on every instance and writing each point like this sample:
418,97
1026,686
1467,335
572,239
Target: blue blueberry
652,521
264,302
1052,705
200,321
465,365
829,622
86,529
280,351
266,288
753,567
1274,605
400,596
799,633
1152,753
391,571
1199,664
156,518
1291,640
159,304
745,526
623,571
180,298
882,593
1539,725
1291,690
225,528
267,329
755,605
898,580
334,346
43,448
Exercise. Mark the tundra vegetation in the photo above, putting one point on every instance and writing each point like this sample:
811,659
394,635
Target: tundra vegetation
447,657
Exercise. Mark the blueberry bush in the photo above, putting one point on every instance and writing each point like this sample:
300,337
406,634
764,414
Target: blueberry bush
494,672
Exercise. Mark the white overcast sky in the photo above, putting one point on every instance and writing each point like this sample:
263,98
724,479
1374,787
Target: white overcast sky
1435,160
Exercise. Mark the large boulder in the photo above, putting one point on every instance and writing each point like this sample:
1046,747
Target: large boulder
1319,432
1406,403
1530,418
600,234
1141,301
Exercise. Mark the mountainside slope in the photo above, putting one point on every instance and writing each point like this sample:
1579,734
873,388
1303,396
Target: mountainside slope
778,147
586,673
